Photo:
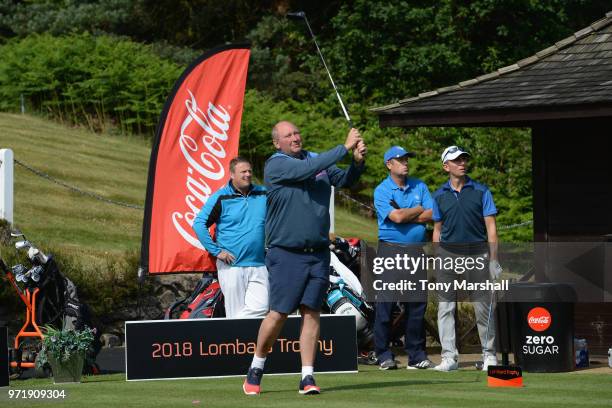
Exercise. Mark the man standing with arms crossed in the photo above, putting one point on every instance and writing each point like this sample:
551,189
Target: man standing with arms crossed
464,225
403,206
238,210
297,237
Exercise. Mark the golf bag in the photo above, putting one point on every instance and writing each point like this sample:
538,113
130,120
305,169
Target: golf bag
348,252
77,316
57,302
205,301
342,300
345,294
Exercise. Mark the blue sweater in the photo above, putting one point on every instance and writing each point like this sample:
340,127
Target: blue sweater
240,224
299,190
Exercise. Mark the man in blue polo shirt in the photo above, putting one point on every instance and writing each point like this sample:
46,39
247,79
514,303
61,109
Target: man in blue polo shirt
464,226
403,206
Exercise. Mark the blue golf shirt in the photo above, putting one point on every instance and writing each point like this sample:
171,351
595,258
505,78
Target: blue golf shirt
462,212
413,194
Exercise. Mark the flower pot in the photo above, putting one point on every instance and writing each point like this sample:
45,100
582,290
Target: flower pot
67,371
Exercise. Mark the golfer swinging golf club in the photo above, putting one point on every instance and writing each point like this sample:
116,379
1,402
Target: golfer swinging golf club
297,227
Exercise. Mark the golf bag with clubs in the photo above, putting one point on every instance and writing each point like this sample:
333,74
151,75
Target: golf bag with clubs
56,303
205,301
345,294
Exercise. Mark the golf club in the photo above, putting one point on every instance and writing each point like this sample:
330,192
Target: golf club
300,15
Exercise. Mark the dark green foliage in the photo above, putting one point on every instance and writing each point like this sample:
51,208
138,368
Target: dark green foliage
64,17
182,56
198,24
96,81
278,67
384,51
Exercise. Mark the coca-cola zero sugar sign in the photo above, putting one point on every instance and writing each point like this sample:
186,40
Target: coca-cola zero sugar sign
539,319
200,135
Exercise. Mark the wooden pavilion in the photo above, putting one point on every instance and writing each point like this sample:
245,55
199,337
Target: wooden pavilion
564,94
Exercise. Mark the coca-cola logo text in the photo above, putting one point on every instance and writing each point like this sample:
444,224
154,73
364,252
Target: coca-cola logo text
539,319
202,140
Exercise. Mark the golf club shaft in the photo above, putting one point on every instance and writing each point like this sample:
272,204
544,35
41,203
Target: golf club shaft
346,114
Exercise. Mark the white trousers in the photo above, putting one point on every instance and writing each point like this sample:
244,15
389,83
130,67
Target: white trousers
245,290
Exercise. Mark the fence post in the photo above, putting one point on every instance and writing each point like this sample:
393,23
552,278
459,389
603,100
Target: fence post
6,185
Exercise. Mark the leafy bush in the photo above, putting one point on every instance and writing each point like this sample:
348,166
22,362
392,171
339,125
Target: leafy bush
89,80
67,16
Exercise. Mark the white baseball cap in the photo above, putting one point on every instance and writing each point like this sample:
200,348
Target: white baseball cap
452,152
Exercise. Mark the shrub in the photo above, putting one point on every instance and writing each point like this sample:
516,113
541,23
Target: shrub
89,80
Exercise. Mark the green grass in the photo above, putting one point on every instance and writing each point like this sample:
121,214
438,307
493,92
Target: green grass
348,224
369,388
114,167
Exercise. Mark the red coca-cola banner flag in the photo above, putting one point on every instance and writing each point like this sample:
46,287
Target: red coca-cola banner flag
197,136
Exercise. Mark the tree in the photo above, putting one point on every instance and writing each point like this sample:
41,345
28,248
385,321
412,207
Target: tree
384,51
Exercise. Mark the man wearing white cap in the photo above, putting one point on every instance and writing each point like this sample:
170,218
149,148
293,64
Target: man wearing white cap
464,226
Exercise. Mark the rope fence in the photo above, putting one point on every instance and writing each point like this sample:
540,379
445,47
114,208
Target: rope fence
76,189
139,207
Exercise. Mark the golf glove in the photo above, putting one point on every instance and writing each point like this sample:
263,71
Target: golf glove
495,269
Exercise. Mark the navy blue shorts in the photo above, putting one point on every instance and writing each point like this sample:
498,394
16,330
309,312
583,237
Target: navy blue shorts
297,278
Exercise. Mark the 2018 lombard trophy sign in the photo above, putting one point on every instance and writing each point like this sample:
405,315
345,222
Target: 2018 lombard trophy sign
166,349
